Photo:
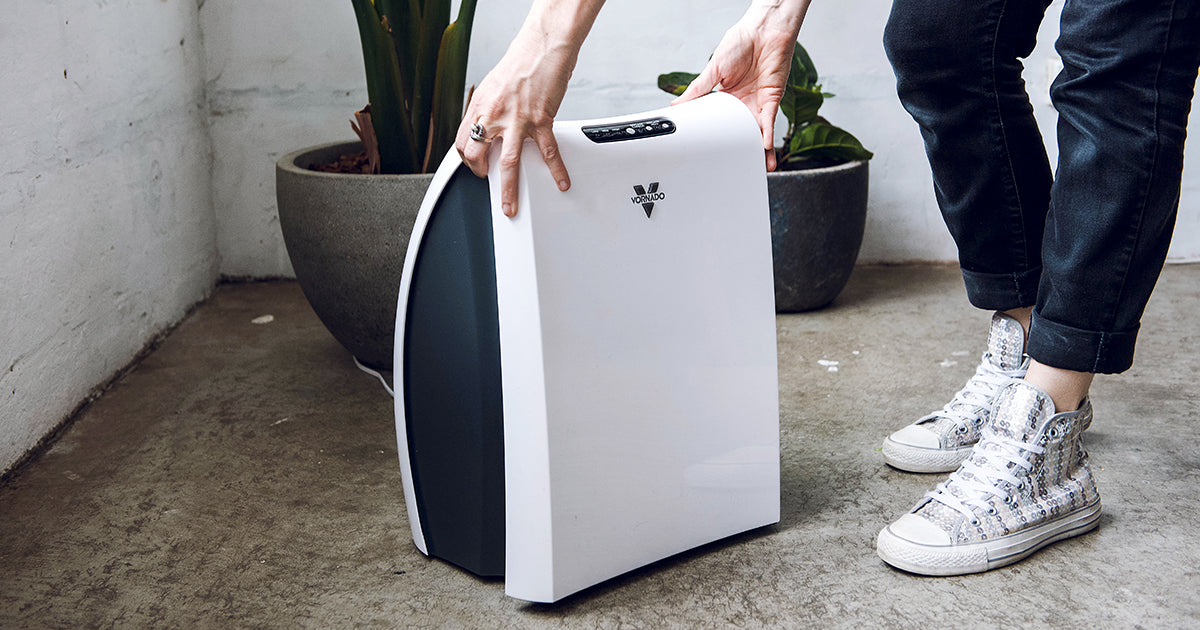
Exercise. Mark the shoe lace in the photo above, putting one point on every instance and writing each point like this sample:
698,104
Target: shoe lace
976,482
976,396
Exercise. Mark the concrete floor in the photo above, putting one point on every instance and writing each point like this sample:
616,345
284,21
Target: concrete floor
245,475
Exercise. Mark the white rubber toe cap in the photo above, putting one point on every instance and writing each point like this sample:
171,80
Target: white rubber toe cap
918,546
915,529
917,436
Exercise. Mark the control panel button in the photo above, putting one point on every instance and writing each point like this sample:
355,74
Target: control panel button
631,130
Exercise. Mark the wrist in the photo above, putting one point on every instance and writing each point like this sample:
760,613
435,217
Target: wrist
538,52
777,15
557,29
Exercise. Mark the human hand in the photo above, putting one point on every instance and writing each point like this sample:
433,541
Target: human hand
752,63
519,98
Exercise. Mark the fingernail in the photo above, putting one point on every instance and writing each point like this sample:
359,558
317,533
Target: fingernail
507,208
563,184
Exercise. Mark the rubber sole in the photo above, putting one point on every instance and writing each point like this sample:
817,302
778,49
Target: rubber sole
986,555
924,460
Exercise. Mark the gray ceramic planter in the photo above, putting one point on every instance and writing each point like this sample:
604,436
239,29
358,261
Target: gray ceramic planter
346,236
817,222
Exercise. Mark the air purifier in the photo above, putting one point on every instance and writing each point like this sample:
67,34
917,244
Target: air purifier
591,386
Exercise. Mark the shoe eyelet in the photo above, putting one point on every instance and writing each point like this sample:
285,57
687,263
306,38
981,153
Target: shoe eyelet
974,522
1053,433
961,430
992,511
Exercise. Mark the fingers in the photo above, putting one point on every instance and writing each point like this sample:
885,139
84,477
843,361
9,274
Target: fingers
544,136
766,121
475,155
510,166
473,152
510,169
701,85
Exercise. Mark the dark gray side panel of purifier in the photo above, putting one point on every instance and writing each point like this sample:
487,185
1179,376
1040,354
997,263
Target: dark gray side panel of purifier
452,390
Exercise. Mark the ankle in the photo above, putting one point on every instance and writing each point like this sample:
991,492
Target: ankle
1023,316
1066,388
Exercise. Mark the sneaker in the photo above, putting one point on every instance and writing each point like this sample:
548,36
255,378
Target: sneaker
941,441
1026,484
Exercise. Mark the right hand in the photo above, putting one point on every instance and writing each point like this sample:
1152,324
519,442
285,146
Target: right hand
518,99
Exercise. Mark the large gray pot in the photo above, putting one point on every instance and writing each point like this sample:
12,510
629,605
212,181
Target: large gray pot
346,235
817,222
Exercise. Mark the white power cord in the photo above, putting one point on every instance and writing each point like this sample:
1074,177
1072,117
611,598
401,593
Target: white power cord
377,375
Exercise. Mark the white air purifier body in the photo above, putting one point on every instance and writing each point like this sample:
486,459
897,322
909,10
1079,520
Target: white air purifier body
623,382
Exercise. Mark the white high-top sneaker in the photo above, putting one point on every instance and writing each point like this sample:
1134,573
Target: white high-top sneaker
941,441
1026,484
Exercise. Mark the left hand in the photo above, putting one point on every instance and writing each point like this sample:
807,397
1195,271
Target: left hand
752,63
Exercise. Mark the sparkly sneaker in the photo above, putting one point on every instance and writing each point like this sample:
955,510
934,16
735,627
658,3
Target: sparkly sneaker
941,441
1026,484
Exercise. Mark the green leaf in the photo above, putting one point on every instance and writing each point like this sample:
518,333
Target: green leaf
823,141
404,22
675,82
802,96
386,91
435,19
416,65
804,73
799,105
447,107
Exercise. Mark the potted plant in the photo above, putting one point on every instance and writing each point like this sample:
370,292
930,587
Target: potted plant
818,193
346,231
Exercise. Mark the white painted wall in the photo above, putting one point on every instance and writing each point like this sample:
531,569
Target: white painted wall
286,73
281,75
106,226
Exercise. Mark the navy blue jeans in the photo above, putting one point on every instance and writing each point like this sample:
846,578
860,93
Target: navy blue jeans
1085,245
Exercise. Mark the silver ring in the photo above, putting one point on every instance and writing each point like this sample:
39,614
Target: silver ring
479,134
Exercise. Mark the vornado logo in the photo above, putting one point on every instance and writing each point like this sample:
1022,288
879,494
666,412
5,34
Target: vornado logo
647,196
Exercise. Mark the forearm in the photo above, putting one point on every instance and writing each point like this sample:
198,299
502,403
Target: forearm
779,15
555,30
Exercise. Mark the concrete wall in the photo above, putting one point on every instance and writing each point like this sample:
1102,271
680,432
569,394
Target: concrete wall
106,226
283,75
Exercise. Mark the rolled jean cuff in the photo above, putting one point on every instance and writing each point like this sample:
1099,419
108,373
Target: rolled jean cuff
1068,348
1002,291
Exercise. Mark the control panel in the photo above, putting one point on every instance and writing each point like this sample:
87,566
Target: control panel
632,130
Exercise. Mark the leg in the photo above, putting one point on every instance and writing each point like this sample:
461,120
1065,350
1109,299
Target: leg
958,73
1123,99
1067,388
1129,70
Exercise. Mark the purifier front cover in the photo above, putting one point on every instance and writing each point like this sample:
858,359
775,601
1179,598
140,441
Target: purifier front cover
637,336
